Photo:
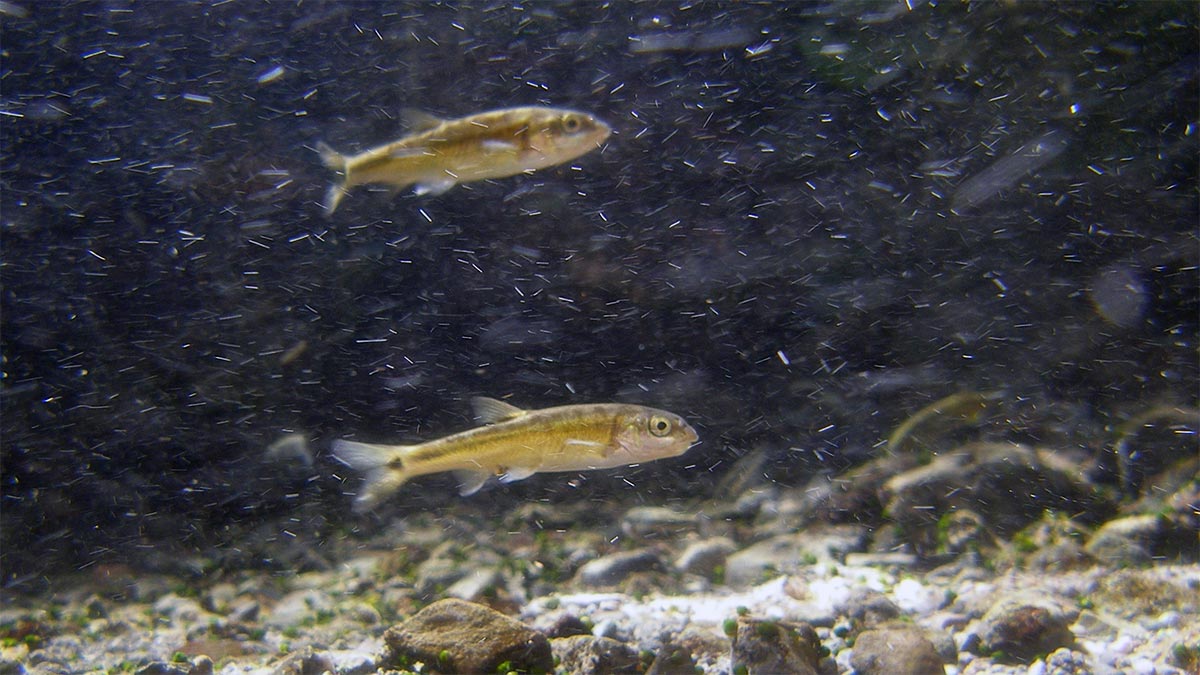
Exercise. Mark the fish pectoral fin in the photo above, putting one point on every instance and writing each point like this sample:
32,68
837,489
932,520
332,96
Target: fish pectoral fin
434,187
419,120
405,152
580,443
517,473
492,411
470,481
493,145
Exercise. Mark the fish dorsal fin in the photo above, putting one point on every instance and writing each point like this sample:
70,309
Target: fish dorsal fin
491,411
419,120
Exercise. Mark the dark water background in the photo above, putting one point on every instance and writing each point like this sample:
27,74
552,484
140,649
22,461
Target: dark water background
813,219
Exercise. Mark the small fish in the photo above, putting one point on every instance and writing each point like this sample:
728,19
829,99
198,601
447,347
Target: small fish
965,407
442,153
516,444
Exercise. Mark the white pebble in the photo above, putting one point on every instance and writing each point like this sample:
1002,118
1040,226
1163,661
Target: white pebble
1122,645
914,597
1143,667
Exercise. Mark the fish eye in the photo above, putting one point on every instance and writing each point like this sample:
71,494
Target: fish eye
572,123
659,426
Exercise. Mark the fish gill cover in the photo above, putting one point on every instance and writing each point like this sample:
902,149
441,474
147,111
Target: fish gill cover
811,221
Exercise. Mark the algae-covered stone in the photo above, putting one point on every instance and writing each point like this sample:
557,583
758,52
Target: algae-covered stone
454,636
1025,626
765,646
672,659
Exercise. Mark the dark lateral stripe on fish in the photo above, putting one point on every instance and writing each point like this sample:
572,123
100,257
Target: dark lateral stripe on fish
472,441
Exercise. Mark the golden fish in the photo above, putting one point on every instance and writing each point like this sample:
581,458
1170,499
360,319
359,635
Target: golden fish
442,153
516,444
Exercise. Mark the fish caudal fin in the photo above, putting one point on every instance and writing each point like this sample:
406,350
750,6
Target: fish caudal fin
336,161
383,465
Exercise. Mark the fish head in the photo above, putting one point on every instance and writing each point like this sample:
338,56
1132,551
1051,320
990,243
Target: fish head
561,135
648,434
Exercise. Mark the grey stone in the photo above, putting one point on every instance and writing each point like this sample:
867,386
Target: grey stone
201,665
866,608
787,554
656,522
705,557
895,651
297,606
305,662
1067,662
352,661
1126,541
589,655
612,569
159,668
179,609
474,584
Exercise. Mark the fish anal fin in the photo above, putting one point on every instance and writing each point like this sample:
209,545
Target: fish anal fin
515,474
434,187
470,481
381,484
333,197
336,161
492,411
418,120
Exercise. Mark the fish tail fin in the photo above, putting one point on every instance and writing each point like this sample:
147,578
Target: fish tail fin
383,464
336,161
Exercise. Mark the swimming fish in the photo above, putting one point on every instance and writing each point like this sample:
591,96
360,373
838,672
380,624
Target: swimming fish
965,407
515,444
442,153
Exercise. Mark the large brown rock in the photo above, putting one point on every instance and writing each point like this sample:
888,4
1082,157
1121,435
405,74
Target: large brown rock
454,636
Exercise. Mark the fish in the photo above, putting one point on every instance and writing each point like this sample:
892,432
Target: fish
965,407
514,444
441,153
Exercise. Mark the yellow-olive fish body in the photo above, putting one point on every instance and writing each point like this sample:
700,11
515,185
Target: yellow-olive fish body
442,153
515,444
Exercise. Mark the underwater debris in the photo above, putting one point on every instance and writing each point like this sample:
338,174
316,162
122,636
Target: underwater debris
692,41
442,153
1119,296
292,353
290,449
955,410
